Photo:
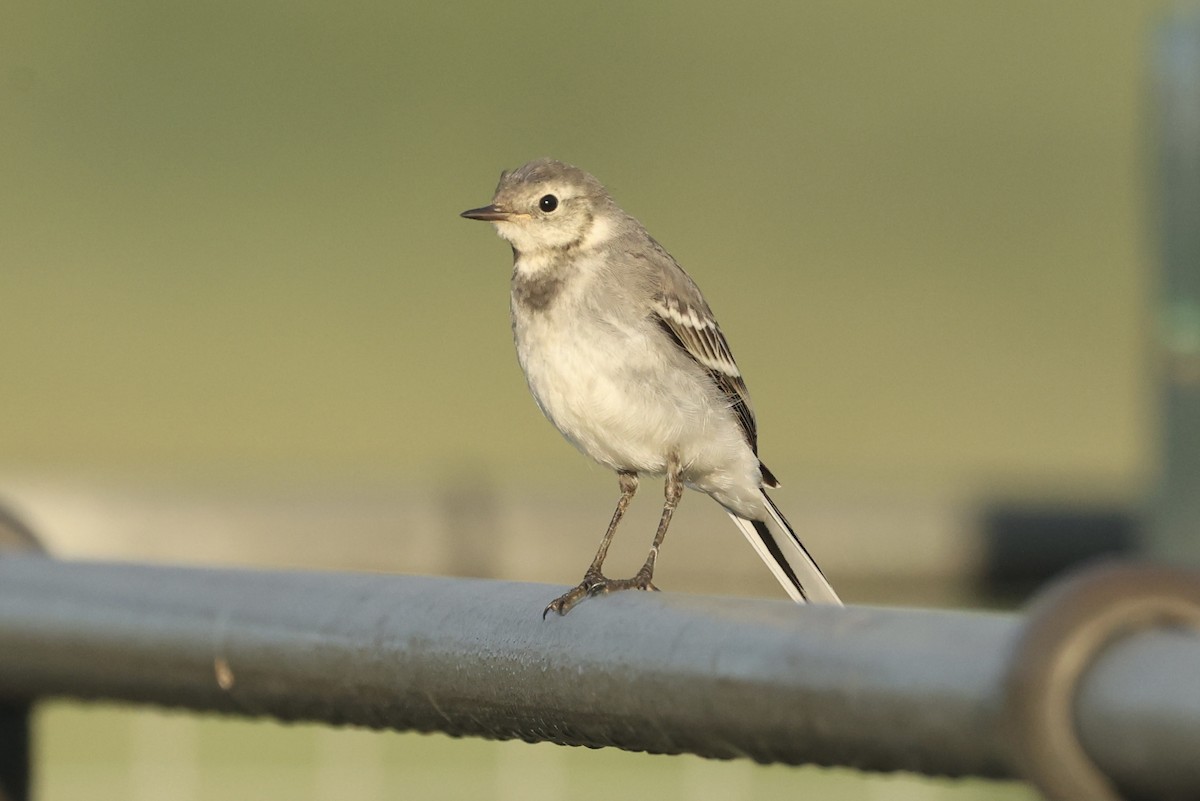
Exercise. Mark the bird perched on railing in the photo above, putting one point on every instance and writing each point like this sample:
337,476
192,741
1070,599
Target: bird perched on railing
623,354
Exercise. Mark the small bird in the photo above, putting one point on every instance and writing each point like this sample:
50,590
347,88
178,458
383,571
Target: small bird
624,356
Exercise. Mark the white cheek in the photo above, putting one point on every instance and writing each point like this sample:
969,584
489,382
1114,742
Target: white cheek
515,233
600,233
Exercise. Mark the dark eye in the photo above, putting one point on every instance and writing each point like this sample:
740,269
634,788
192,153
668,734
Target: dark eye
548,203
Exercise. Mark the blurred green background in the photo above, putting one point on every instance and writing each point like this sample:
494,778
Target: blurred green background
230,258
231,242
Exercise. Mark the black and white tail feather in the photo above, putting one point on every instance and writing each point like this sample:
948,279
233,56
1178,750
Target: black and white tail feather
779,547
685,317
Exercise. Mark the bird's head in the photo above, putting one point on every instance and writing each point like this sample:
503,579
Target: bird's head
548,205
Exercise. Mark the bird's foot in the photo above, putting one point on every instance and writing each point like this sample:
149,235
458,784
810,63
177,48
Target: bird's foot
596,584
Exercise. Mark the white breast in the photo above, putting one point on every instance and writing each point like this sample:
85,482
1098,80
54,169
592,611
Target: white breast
605,380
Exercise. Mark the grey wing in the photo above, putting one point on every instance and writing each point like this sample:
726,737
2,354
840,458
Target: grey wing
685,316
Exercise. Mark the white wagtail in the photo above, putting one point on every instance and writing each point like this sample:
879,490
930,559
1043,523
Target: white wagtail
624,356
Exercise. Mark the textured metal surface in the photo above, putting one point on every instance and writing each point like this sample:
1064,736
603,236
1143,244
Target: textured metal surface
880,689
875,688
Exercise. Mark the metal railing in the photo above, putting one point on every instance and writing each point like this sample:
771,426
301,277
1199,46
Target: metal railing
1097,687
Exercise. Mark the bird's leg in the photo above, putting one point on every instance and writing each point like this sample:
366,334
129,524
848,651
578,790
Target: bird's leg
593,580
629,485
642,579
673,491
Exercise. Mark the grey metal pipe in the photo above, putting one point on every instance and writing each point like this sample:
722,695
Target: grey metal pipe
872,688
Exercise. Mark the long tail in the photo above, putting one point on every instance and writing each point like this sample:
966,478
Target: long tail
778,546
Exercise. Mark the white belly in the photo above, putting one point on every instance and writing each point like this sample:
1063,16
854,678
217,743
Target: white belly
626,403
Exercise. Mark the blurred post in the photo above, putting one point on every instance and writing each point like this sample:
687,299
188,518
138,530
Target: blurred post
1175,533
14,752
15,537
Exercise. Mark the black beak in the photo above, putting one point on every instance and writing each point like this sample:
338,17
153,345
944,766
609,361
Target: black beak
487,214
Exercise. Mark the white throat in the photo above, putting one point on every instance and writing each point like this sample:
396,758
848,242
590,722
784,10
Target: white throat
540,246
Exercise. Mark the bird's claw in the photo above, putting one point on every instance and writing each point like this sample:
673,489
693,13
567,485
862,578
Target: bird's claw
596,584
